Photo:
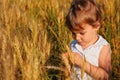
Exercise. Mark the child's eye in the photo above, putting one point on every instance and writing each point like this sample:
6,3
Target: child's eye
82,33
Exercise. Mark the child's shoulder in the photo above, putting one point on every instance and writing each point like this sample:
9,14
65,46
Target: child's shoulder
102,41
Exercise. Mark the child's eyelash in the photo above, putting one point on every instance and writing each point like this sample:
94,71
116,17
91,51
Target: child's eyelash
82,33
73,33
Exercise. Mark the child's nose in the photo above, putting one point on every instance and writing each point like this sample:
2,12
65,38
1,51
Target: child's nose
78,37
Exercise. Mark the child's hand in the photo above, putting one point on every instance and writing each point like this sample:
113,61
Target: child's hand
78,59
65,55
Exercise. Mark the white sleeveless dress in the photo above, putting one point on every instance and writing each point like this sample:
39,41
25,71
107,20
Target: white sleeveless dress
91,54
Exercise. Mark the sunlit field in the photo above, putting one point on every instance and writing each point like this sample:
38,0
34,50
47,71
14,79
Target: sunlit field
33,34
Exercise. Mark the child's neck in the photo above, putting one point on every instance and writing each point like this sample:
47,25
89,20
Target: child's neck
91,43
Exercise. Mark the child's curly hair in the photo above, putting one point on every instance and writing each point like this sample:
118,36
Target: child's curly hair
83,11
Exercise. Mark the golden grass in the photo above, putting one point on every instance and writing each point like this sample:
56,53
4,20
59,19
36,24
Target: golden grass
33,30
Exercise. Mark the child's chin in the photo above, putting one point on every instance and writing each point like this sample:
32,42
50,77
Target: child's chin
82,44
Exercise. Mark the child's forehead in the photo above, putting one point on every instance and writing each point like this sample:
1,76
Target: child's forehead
78,30
79,27
82,28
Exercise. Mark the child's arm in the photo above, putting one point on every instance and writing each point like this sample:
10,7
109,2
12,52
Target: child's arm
103,71
105,59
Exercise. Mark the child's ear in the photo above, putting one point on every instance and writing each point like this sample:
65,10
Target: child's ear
97,24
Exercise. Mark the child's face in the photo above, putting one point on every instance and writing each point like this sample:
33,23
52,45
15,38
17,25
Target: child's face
87,36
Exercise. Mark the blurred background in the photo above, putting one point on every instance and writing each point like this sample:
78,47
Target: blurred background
33,35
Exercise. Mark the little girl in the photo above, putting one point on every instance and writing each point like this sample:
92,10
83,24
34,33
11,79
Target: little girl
88,47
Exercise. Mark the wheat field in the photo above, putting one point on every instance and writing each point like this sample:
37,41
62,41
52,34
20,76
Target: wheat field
33,35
